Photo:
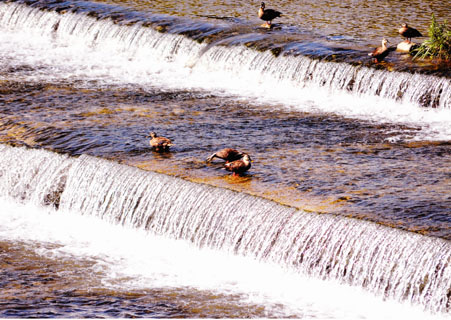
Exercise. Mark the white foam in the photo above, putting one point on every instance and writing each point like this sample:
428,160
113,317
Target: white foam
135,259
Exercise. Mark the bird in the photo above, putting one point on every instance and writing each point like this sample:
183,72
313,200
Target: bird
240,166
227,154
408,32
159,143
267,14
380,52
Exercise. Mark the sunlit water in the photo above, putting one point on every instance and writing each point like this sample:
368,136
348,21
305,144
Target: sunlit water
352,22
334,139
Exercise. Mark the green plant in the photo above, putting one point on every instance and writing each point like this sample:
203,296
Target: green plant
439,43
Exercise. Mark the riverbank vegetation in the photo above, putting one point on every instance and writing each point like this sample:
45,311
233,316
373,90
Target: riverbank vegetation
439,43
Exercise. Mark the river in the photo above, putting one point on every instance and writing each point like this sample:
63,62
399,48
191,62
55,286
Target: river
343,214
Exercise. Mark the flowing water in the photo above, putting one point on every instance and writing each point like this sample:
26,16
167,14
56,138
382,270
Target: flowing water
345,212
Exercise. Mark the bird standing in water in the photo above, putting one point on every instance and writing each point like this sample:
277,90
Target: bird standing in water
240,166
159,143
408,32
267,14
380,52
227,154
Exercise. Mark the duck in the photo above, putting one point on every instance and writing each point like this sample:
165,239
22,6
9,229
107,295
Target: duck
380,52
159,143
267,14
239,166
408,32
227,154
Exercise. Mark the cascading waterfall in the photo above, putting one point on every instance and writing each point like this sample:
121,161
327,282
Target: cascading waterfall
39,182
301,71
229,60
385,261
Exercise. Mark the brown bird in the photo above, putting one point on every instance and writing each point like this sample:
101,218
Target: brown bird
408,32
159,143
227,154
380,52
240,166
267,14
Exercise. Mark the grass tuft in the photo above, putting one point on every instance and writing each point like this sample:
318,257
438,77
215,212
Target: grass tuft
439,43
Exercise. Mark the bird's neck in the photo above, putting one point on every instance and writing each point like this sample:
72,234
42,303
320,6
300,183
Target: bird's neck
260,12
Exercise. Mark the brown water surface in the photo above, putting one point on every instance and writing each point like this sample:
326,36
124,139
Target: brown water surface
365,22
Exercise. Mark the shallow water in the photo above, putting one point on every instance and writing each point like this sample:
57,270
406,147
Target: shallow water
353,22
326,164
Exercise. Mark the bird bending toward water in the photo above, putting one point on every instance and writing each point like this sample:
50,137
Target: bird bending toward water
380,52
408,32
267,14
240,166
227,154
159,143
